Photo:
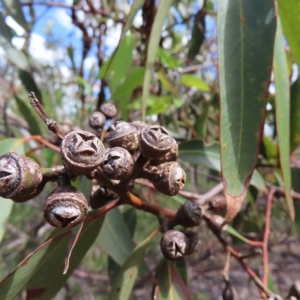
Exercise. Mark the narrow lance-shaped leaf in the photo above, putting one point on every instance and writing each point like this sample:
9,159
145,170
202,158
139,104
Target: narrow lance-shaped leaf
162,12
170,285
136,5
196,152
29,115
11,285
115,237
123,282
289,12
48,278
295,115
245,47
282,100
13,8
14,55
198,34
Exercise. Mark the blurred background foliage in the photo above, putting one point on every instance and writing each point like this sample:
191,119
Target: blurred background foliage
156,61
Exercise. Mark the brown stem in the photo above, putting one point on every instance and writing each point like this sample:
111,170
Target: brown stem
200,199
52,125
266,237
111,205
280,190
133,200
238,257
39,139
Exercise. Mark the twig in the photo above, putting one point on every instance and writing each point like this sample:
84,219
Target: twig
40,140
72,243
52,125
238,257
111,205
211,193
133,200
225,272
280,190
266,237
75,7
200,199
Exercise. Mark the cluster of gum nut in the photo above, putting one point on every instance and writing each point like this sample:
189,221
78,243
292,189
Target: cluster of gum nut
137,150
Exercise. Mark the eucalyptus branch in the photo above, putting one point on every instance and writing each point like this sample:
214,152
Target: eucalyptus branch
51,124
238,256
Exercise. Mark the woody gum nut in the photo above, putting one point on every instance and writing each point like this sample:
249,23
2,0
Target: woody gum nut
20,177
155,142
125,135
81,152
189,214
109,110
117,163
168,178
97,120
173,244
65,207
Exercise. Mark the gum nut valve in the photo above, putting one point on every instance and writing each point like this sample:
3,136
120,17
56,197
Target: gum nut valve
81,152
125,135
65,207
168,178
117,163
109,110
176,244
97,120
155,142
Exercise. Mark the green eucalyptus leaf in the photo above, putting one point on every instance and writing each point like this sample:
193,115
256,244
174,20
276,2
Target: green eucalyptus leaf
282,99
123,282
245,51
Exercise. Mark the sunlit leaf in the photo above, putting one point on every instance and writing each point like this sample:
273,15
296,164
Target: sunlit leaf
11,145
13,8
289,12
123,93
162,12
245,51
115,69
270,149
282,99
160,105
136,5
192,81
167,59
14,55
133,80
